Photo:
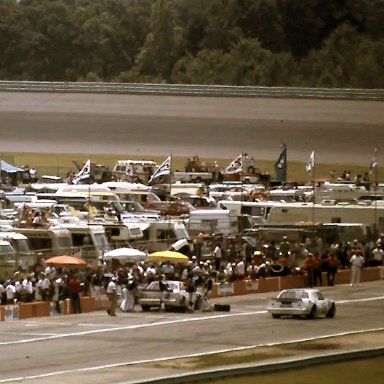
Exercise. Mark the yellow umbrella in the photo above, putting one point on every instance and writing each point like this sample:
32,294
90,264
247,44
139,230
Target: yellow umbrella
168,255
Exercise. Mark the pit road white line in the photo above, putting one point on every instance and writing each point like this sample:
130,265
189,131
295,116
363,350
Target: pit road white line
166,322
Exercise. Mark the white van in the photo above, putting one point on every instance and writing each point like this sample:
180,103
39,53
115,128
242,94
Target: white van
134,170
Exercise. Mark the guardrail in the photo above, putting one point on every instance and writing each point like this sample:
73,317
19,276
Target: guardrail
192,90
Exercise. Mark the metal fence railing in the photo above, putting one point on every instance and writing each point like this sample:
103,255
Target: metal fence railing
192,90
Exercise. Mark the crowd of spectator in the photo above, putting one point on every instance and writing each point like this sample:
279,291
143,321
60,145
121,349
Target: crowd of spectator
228,262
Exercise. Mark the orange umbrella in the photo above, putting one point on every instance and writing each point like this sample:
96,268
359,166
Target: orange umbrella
66,261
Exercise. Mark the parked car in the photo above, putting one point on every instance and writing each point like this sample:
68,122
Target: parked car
175,297
308,303
170,208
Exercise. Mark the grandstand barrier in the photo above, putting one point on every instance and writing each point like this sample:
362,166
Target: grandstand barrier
87,304
34,309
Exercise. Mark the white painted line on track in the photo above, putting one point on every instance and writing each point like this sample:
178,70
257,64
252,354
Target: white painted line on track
129,363
359,300
178,320
136,326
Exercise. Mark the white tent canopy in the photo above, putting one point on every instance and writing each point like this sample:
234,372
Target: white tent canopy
126,254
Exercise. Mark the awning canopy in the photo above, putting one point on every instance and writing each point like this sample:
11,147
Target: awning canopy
6,167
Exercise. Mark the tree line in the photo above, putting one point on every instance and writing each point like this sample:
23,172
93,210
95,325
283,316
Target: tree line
306,43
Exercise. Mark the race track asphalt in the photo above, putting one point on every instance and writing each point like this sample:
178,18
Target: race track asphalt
340,131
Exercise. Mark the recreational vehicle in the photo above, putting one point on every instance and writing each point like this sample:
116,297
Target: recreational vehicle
7,260
48,241
159,236
371,215
24,257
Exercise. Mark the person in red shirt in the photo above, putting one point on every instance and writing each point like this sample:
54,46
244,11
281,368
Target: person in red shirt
74,289
308,267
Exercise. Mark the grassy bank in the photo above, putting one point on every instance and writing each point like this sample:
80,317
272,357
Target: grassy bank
60,164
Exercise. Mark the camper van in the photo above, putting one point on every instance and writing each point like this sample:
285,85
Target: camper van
134,170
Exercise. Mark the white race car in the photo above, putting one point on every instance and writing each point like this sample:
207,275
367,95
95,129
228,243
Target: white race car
175,296
308,303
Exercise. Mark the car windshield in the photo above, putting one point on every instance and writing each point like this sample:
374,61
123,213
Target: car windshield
294,295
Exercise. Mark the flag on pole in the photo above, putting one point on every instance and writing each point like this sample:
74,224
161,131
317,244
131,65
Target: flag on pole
310,163
281,164
163,170
373,164
235,166
84,173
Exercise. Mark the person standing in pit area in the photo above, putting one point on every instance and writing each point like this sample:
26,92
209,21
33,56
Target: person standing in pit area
112,296
357,262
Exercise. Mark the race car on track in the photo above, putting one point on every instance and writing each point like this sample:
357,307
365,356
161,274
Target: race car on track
308,303
174,297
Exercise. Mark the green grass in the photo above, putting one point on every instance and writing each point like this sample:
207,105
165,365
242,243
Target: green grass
60,164
352,372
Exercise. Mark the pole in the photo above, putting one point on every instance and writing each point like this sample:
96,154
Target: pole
314,198
376,228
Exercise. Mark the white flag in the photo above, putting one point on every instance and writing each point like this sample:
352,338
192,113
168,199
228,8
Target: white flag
164,169
235,166
85,173
311,163
373,165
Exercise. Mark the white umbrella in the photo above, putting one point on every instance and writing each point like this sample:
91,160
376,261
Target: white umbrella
126,254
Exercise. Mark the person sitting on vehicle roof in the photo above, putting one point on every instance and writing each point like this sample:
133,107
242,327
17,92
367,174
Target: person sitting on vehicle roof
40,220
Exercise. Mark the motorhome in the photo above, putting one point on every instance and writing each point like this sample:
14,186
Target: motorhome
192,177
340,192
8,263
159,236
258,211
132,192
48,242
330,233
96,192
371,215
122,234
24,257
89,241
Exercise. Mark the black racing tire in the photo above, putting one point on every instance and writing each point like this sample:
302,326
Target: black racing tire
198,304
331,312
275,316
312,314
145,308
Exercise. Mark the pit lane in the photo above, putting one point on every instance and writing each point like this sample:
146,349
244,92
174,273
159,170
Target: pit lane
95,348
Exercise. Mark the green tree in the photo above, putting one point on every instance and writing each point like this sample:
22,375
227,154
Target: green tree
162,45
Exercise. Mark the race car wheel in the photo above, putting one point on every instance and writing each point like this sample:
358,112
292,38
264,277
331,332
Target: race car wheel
198,303
331,312
275,316
312,314
145,308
